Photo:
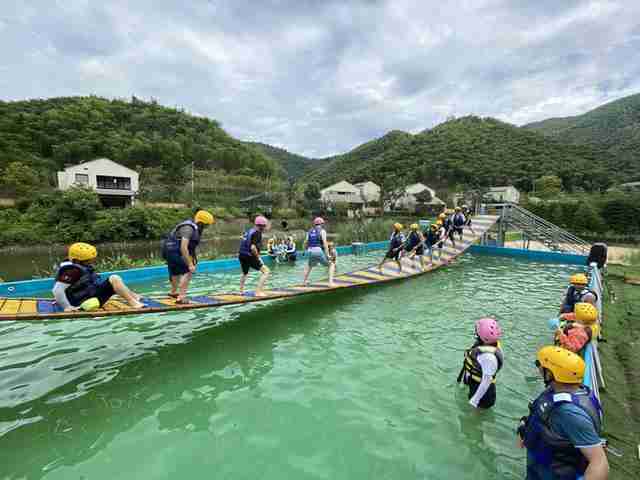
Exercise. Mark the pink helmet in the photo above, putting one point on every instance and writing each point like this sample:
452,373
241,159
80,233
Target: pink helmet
318,221
260,221
488,330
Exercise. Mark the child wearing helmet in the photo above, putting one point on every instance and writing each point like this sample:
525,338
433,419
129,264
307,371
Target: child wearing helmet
459,222
414,245
249,255
78,285
431,237
179,250
578,292
482,362
578,328
317,249
396,244
290,250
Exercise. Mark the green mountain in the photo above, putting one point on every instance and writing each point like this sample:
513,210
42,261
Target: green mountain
340,167
469,151
294,165
49,134
613,128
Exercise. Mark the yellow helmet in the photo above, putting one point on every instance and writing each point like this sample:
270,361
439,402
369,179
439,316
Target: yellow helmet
202,216
434,226
586,313
439,223
82,252
442,216
578,279
458,209
566,366
414,226
397,226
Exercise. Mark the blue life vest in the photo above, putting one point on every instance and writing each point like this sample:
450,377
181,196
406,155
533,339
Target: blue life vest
574,296
547,447
245,243
85,287
173,241
458,220
412,242
396,240
314,237
430,238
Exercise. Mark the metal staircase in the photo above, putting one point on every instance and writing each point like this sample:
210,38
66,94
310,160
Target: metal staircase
538,229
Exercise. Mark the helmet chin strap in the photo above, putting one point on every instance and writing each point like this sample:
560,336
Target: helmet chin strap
546,378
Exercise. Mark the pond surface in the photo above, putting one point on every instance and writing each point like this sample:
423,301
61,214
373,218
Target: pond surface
353,384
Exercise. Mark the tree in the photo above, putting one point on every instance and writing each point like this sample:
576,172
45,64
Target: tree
20,179
548,186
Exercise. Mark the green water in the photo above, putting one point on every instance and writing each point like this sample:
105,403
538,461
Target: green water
348,385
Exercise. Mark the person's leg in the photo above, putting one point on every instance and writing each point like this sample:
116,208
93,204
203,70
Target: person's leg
174,279
307,271
183,285
243,279
264,275
121,289
332,272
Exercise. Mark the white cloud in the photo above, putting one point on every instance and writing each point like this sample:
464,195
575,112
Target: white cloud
320,78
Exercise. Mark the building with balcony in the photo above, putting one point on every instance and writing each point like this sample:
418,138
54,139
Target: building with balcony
115,184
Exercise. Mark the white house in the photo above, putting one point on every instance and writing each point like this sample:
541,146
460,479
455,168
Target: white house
341,192
408,200
503,194
115,184
369,191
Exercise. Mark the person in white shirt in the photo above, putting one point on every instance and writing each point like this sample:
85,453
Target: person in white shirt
482,363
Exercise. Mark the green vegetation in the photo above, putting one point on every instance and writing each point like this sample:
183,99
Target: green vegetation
620,357
365,231
294,165
613,129
40,137
469,152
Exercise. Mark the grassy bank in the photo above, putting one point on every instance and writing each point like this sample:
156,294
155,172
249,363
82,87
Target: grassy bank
620,356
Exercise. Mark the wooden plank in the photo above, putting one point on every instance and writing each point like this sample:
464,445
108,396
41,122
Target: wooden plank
29,306
228,298
11,306
113,305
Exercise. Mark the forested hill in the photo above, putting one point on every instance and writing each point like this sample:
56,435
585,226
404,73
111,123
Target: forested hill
49,134
294,165
470,151
344,166
613,127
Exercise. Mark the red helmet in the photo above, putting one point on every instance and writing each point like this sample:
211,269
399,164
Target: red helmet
488,330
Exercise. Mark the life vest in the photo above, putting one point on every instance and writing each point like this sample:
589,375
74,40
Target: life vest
173,241
396,240
548,448
84,287
412,242
314,238
431,237
472,367
574,296
245,243
458,220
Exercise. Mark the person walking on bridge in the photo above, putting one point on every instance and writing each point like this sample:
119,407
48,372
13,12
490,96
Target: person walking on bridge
249,255
179,250
317,249
562,431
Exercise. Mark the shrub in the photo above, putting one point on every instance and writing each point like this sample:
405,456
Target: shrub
285,213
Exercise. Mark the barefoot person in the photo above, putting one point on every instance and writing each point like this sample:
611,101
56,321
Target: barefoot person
78,286
318,251
180,253
249,255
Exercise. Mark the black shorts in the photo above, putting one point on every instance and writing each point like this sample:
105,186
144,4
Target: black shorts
393,254
103,292
176,265
489,398
249,261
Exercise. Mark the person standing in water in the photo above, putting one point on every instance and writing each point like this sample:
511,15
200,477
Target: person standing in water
318,251
482,362
249,255
179,250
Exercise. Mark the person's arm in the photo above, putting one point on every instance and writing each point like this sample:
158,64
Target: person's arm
184,251
254,247
60,295
324,243
489,365
598,468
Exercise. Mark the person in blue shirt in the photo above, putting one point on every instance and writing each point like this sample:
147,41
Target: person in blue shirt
317,248
562,432
249,256
396,245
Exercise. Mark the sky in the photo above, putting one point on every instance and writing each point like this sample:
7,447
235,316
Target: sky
319,77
